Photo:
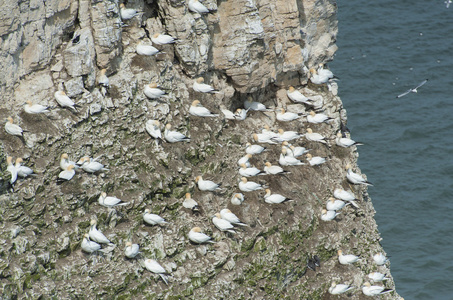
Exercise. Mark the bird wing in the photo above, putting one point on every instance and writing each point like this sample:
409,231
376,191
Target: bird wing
421,83
404,94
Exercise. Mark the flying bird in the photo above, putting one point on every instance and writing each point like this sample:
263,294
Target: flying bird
414,90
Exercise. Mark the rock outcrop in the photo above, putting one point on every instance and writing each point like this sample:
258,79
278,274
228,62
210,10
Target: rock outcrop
249,50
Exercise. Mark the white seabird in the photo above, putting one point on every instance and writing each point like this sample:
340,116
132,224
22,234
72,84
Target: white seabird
334,204
380,259
153,129
103,79
162,39
263,138
226,214
148,50
315,160
221,224
154,267
131,250
355,178
174,136
297,96
347,259
254,149
267,130
65,162
152,219
328,215
189,203
284,136
324,72
274,198
337,289
199,86
314,137
249,186
91,165
196,236
196,6
64,101
274,170
12,128
345,196
68,173
374,290
376,276
198,110
245,160
256,106
127,13
317,78
152,91
414,90
228,114
11,169
345,142
286,160
22,171
96,235
249,171
109,201
284,116
317,118
206,185
90,246
31,108
241,114
237,199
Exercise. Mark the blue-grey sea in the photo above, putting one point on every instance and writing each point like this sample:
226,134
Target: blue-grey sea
385,48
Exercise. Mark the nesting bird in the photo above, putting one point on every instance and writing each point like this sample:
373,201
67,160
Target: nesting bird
249,186
64,101
226,214
199,86
274,170
345,142
196,109
221,224
206,185
196,236
90,246
103,80
317,118
65,162
154,267
337,289
174,136
334,204
153,129
315,160
237,199
189,203
127,13
152,91
22,171
256,106
131,250
162,39
197,7
347,259
91,165
249,171
147,50
96,235
11,169
284,116
152,219
328,215
287,160
355,178
254,149
297,96
274,198
314,137
374,290
12,128
380,259
109,201
31,108
67,174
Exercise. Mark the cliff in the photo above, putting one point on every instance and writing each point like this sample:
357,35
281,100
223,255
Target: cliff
247,50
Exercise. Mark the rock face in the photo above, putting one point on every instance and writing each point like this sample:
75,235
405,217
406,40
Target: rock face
249,50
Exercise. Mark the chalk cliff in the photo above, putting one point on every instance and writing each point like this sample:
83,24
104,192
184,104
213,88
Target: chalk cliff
248,50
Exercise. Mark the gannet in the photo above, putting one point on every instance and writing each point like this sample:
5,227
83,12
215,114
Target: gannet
127,13
226,214
153,219
89,246
245,160
22,171
293,150
254,149
249,171
273,170
284,136
153,128
131,250
65,162
345,142
221,224
229,115
189,203
68,173
315,160
414,90
262,138
196,236
376,276
206,185
91,165
347,259
103,79
380,259
345,196
241,114
31,108
355,178
337,289
324,72
286,160
297,97
196,109
237,199
256,106
110,202
174,136
314,137
162,39
199,86
317,118
13,129
96,235
328,215
249,186
374,290
154,267
11,169
196,6
267,130
317,78
274,198
148,50
334,204
64,101
283,116
152,91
